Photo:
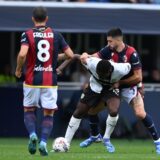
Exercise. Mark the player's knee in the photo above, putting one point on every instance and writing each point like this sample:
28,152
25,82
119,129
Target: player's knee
29,109
81,110
78,114
48,112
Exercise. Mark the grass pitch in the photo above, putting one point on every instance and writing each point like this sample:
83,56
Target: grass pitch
16,149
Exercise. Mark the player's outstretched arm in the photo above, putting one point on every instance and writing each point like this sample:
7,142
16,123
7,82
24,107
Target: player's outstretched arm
21,60
84,57
69,53
66,63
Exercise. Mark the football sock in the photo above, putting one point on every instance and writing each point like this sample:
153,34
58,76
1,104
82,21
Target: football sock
47,125
30,122
94,120
72,128
43,143
110,125
149,124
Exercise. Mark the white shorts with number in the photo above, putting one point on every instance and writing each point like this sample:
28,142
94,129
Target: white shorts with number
46,96
129,93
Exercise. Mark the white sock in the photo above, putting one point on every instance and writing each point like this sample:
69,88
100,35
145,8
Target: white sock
110,125
158,140
72,128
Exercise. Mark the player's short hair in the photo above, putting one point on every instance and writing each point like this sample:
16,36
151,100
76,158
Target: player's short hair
114,32
104,69
39,14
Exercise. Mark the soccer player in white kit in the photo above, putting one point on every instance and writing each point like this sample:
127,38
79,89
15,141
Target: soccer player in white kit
104,74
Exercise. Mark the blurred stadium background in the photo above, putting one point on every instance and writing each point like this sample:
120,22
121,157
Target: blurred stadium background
84,26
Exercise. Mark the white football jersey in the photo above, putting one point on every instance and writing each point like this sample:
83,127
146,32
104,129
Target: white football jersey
120,70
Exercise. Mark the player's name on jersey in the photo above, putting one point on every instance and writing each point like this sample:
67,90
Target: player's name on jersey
40,68
43,35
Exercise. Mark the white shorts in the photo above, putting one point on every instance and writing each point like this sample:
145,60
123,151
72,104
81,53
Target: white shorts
129,93
46,96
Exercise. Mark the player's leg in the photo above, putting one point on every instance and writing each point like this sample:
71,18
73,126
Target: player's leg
113,104
75,120
31,97
48,100
132,97
110,122
95,136
138,107
46,129
88,99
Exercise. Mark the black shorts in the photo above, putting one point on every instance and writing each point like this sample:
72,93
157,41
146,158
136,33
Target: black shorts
92,99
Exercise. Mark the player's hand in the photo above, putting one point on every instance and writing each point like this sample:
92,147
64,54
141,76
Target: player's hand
18,73
116,85
59,72
83,57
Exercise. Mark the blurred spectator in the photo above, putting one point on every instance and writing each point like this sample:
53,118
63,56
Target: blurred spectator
131,1
155,1
155,76
91,0
6,77
152,76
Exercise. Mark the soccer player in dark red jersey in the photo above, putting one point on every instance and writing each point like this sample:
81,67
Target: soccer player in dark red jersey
39,49
118,51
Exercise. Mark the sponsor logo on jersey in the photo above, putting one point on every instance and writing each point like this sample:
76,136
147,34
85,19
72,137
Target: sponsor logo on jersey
40,68
43,35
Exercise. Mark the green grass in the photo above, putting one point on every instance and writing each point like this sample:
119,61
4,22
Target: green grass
16,149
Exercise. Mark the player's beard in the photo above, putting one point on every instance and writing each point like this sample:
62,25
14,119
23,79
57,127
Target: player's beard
113,48
116,47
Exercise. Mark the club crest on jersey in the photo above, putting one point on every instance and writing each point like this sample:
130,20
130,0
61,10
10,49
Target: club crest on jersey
112,55
125,58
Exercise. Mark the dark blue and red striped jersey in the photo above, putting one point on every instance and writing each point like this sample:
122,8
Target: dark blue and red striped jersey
41,61
128,54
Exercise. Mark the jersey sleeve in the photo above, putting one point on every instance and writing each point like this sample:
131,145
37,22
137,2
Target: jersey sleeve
91,63
121,68
63,43
24,39
124,68
104,53
135,61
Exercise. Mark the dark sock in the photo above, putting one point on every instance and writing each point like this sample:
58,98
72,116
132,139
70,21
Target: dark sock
47,125
29,121
149,124
94,120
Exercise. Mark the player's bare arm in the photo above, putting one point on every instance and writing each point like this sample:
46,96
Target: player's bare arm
21,60
62,56
66,63
69,53
95,55
134,79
